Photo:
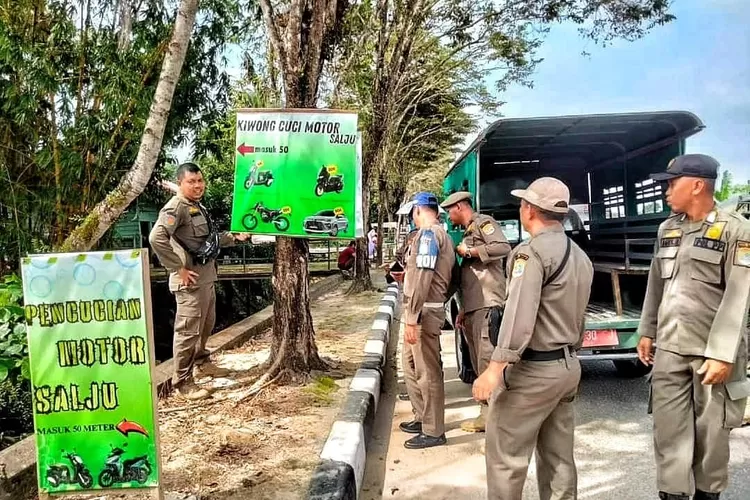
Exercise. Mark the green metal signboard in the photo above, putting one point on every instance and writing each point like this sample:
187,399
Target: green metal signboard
91,356
298,174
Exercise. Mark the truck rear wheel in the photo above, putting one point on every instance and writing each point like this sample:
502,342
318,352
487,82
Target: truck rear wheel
631,368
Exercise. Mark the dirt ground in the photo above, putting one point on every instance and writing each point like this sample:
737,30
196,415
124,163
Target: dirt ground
266,446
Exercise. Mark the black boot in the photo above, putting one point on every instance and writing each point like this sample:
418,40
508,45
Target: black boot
704,495
412,427
672,496
424,441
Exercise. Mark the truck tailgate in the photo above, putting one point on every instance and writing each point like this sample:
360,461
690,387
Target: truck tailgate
601,315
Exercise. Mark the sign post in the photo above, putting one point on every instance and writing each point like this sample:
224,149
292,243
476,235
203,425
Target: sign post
92,358
297,174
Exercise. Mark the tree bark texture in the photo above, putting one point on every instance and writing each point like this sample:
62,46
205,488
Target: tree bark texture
301,44
134,182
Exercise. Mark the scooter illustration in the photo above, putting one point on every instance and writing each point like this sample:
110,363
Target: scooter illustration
262,178
267,216
59,474
134,469
328,183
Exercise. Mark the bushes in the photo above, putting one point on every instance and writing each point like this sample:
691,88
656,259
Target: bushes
15,394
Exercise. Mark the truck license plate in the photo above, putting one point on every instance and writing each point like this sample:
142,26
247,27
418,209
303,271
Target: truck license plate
600,338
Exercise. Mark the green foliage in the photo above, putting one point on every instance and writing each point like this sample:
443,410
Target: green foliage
728,188
16,417
14,352
321,390
75,100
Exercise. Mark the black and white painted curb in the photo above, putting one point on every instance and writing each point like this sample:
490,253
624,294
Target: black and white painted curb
342,461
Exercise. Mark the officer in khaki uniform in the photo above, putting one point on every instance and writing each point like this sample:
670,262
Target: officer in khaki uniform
533,377
429,265
695,311
181,232
482,291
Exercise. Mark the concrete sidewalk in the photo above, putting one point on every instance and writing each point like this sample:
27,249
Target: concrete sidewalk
456,470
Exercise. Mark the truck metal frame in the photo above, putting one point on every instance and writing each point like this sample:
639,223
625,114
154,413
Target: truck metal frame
606,161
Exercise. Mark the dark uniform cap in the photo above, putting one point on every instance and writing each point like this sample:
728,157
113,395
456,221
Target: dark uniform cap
692,165
456,197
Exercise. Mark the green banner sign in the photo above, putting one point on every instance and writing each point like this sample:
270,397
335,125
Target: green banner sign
91,357
297,173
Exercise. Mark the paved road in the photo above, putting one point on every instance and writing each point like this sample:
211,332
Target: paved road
613,444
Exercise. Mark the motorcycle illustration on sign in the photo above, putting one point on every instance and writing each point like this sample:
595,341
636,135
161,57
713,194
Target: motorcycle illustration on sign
256,176
328,181
60,474
134,469
276,217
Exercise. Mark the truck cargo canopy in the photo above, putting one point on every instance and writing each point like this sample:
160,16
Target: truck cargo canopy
580,141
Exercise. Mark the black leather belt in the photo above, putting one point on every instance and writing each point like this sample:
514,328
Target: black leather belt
532,355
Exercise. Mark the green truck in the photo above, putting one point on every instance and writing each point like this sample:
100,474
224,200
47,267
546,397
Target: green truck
616,208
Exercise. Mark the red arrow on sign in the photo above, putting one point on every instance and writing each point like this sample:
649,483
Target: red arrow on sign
126,427
242,149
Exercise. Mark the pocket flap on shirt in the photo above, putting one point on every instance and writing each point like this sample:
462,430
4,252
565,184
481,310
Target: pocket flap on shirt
706,255
667,252
738,390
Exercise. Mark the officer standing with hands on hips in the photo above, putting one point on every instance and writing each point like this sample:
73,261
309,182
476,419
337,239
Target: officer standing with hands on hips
482,290
429,265
533,377
187,245
695,311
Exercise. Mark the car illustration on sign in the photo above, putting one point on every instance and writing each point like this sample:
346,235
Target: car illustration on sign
326,221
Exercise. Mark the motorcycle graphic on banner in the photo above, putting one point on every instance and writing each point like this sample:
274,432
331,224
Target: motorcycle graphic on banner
298,174
92,360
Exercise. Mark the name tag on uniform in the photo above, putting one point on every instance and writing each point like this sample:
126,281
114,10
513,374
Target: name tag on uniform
710,244
427,252
670,242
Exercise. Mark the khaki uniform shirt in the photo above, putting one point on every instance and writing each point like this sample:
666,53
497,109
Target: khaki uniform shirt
429,264
550,317
698,286
483,278
183,218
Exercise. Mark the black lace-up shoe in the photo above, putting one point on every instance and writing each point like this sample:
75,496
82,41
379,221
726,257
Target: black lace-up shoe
424,441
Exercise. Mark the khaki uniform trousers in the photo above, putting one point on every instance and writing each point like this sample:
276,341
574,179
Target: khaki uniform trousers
423,373
193,324
691,426
477,334
533,409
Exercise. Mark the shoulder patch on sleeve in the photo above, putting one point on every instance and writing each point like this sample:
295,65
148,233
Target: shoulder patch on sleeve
427,250
519,264
487,227
742,254
169,219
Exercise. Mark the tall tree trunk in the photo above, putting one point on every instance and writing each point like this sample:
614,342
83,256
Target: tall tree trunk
134,182
300,50
382,210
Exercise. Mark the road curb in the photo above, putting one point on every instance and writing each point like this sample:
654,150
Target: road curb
342,461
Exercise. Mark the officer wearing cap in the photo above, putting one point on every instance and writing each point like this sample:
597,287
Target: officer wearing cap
184,221
695,312
429,265
482,290
533,377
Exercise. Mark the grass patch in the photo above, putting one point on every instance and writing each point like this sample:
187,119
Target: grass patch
321,390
